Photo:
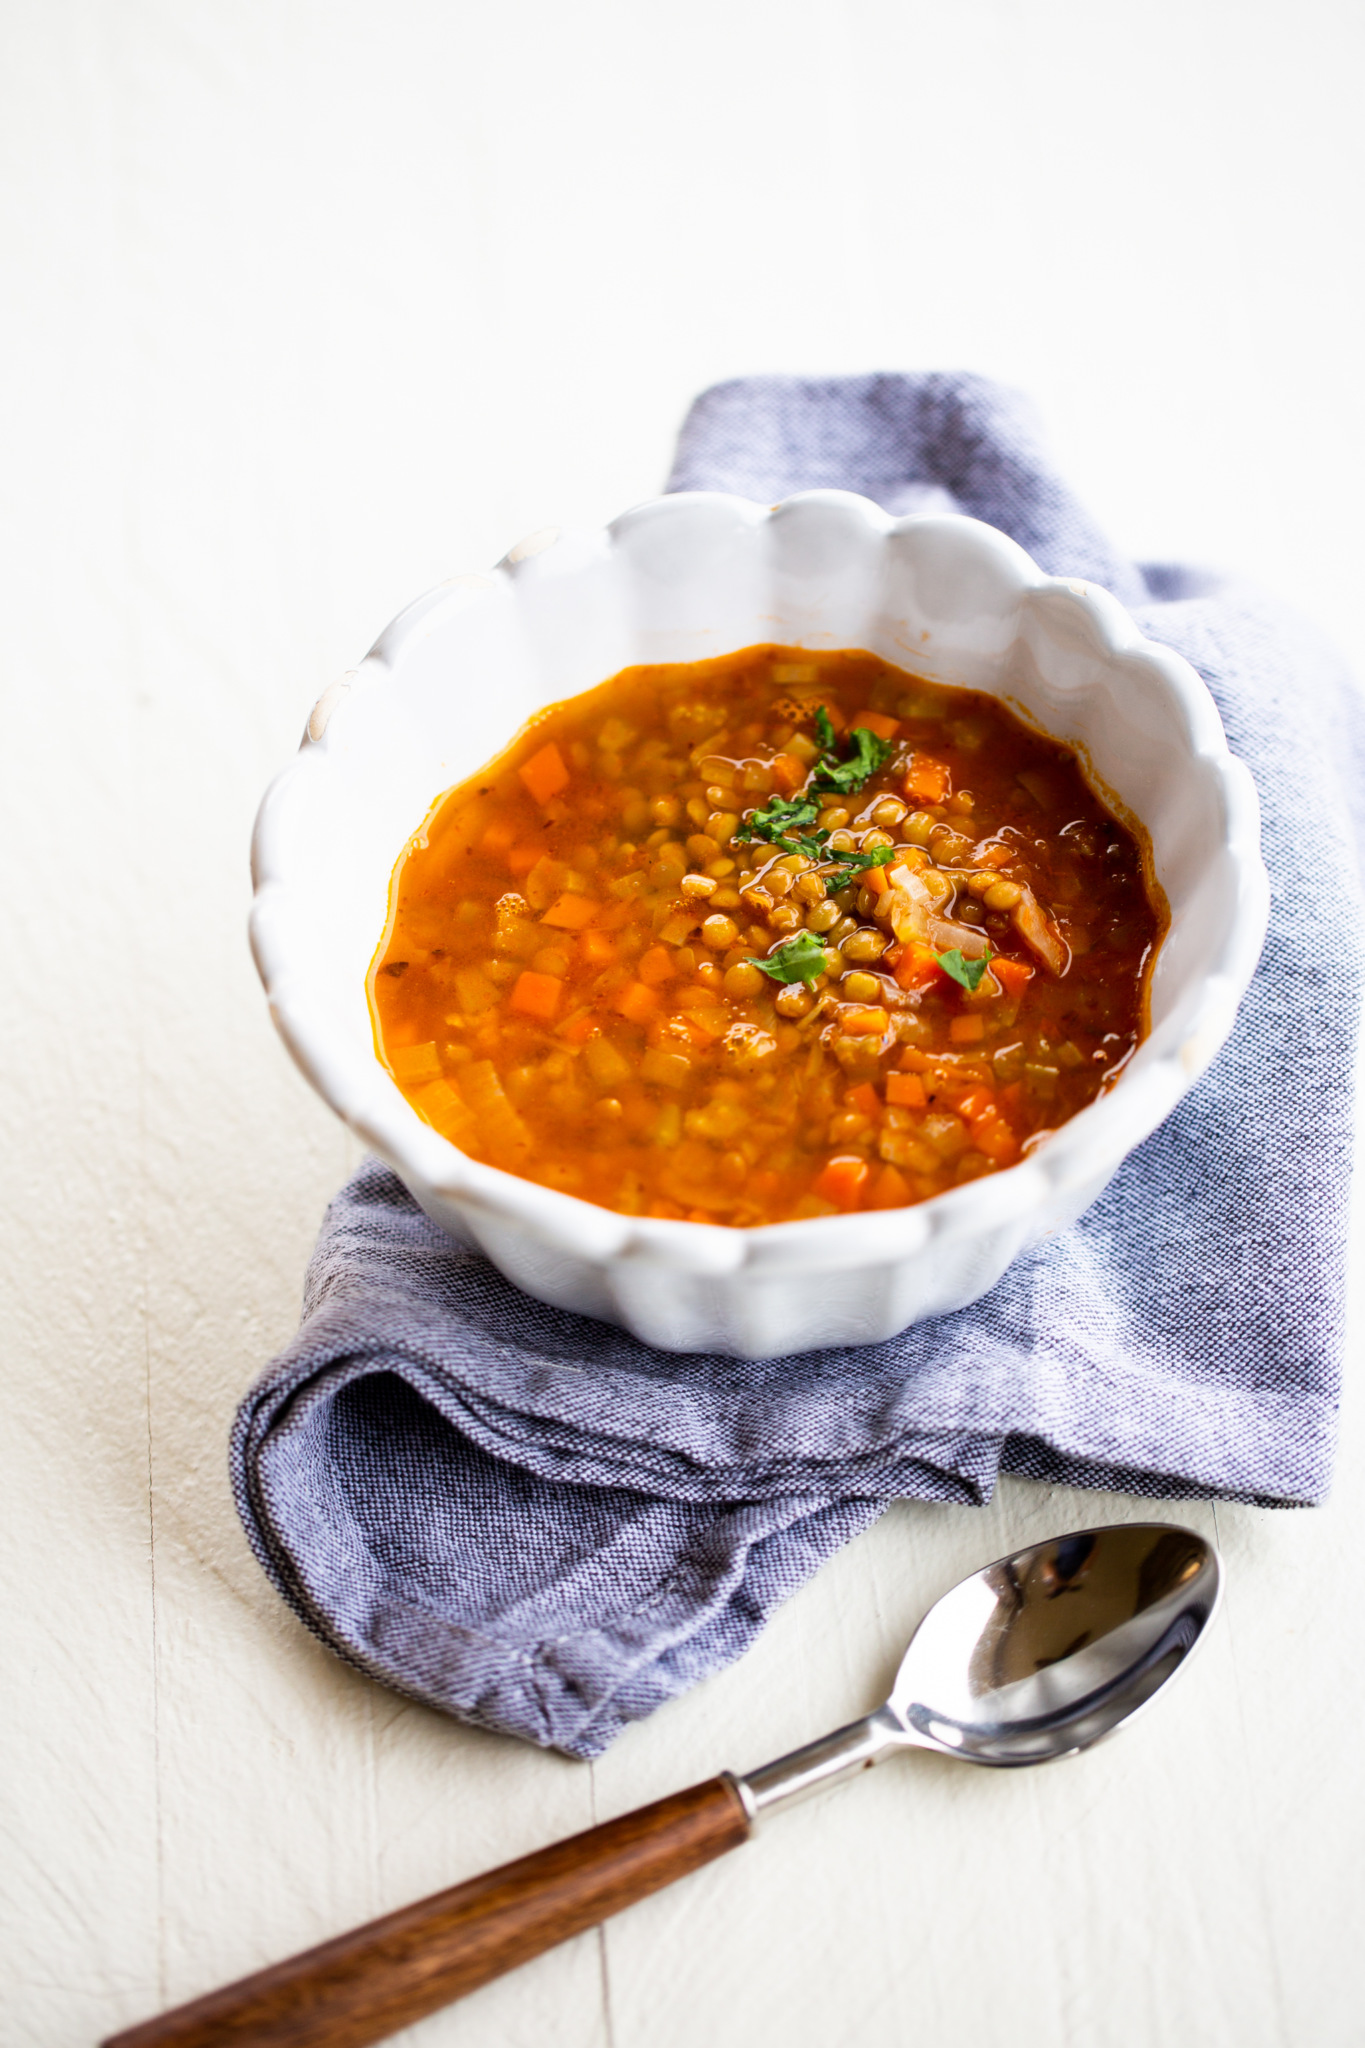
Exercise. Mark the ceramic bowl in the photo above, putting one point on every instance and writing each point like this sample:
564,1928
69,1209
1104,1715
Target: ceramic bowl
679,579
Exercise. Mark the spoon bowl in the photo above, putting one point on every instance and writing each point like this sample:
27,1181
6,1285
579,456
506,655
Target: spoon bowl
1045,1652
1034,1657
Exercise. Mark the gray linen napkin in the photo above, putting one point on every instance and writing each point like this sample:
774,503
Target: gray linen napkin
533,1521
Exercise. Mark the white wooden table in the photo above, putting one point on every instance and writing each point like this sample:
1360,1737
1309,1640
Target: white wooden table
307,307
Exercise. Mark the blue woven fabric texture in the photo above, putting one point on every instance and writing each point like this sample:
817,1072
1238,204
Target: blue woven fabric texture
535,1522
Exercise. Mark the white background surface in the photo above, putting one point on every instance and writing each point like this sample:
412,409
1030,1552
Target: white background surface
307,306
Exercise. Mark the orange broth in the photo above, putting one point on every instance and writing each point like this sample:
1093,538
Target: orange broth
692,947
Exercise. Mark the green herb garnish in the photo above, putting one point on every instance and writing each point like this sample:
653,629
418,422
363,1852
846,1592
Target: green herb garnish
843,777
858,863
780,822
966,972
798,959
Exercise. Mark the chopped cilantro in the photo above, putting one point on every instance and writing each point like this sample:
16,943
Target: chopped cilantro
966,972
781,822
788,823
843,777
779,819
798,959
858,863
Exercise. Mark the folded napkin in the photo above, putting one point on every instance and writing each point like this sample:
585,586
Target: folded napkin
536,1522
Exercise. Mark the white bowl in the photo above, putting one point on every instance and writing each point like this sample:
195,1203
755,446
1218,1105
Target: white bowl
679,579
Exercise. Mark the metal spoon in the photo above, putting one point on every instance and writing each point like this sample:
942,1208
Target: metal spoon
1035,1657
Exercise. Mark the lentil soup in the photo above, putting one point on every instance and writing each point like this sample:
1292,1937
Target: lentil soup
767,937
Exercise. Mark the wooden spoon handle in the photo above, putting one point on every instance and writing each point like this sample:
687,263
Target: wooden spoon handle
370,1982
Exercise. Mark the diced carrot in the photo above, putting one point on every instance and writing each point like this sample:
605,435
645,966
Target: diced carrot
861,1020
842,1179
595,949
1013,976
998,854
912,1061
993,1136
864,1098
976,1102
578,1028
637,1003
875,880
787,773
917,966
545,773
655,966
876,721
537,995
1011,1098
569,913
521,859
967,1030
499,836
927,781
890,1190
905,1091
